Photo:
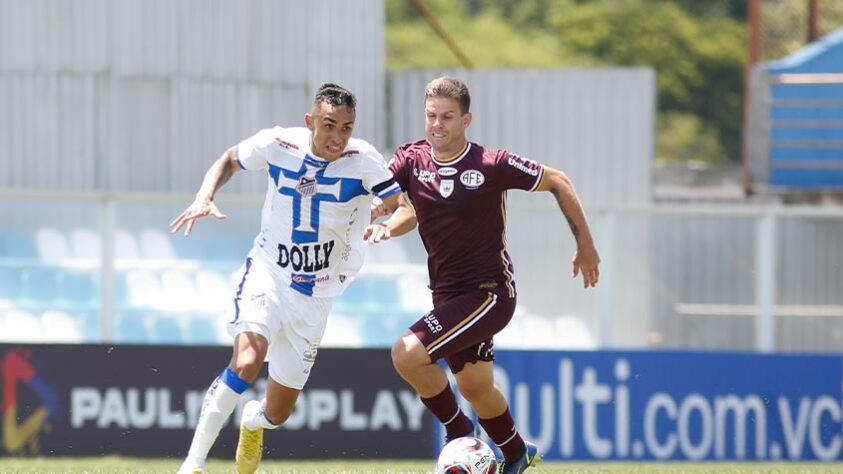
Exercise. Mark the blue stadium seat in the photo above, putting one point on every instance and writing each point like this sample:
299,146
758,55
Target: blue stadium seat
15,243
40,286
130,328
77,290
10,283
201,330
90,326
194,247
166,330
226,248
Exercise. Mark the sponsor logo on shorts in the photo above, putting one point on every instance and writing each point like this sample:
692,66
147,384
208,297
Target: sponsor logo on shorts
447,171
522,167
472,179
309,354
432,323
488,285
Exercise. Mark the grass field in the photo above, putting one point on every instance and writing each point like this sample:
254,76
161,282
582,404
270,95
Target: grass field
115,464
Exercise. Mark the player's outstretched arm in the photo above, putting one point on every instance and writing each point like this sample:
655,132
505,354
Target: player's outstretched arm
586,259
218,174
402,220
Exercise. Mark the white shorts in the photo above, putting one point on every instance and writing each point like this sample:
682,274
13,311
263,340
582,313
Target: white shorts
292,322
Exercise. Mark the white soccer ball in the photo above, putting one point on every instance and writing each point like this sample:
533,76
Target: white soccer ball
467,456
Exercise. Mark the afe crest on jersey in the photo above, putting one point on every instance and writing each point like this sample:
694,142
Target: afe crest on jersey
446,187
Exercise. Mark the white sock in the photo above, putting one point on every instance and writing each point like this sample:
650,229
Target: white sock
259,420
216,408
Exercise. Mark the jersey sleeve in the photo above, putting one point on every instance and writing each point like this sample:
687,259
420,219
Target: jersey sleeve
252,152
377,178
516,172
399,169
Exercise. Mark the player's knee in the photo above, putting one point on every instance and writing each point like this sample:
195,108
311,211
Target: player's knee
474,388
402,360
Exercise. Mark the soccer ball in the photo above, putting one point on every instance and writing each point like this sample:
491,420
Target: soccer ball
468,456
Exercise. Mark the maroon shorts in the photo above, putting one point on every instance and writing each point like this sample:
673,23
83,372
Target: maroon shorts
461,326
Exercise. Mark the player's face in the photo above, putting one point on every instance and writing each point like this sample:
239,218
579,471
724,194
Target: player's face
331,126
445,124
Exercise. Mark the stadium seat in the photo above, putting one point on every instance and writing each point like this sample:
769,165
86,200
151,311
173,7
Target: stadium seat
40,287
201,330
77,290
155,244
59,326
177,290
51,245
166,330
20,326
85,243
10,283
143,288
130,327
226,248
193,247
213,290
15,243
125,246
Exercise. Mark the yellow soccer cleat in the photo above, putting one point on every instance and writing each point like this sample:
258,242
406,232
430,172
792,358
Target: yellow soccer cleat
250,444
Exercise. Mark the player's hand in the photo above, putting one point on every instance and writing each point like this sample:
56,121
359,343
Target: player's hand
586,261
195,211
378,209
376,233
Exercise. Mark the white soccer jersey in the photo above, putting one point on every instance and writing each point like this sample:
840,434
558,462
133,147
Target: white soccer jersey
315,211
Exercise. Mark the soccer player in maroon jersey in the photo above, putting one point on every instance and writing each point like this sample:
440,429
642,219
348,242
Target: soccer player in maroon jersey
459,191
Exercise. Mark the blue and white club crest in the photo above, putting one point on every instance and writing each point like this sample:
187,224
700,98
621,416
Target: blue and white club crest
306,186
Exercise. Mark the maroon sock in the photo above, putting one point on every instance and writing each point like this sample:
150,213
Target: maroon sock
444,407
502,431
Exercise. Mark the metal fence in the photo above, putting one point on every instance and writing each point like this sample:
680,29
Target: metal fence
104,268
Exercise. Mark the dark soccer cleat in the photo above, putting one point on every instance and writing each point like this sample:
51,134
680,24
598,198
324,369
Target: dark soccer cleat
529,459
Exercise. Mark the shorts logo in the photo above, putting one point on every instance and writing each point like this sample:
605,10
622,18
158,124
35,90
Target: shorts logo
309,354
446,187
306,187
432,323
447,171
472,179
488,285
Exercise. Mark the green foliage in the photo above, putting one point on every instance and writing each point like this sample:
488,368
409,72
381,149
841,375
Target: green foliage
697,49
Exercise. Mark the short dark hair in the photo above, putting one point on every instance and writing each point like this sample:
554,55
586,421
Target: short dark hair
449,88
334,95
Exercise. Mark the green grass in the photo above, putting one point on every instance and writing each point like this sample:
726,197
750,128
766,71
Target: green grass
115,464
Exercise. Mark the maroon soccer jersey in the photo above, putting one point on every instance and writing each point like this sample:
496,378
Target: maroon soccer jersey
461,211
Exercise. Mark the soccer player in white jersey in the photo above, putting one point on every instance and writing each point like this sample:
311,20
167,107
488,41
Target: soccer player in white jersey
314,229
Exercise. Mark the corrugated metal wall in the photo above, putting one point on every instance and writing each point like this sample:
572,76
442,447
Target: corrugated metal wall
595,124
141,95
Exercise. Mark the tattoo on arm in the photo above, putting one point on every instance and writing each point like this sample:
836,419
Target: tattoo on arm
571,224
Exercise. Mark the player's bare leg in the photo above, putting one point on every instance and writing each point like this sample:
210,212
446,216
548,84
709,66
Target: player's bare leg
221,398
414,365
258,416
477,384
